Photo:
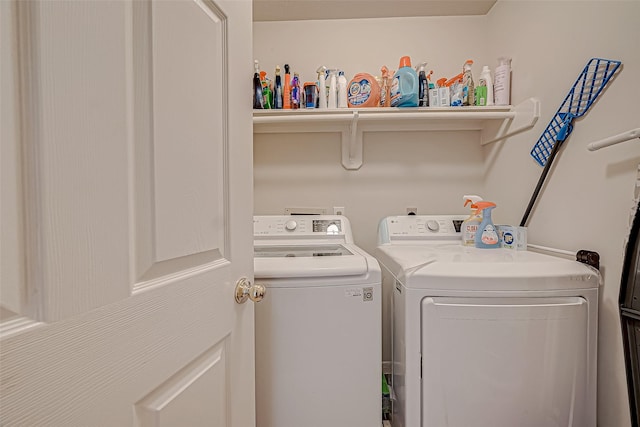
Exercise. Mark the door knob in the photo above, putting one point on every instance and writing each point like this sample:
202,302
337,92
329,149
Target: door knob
246,290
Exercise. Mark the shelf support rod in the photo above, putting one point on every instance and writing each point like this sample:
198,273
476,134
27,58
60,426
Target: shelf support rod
527,114
352,144
616,139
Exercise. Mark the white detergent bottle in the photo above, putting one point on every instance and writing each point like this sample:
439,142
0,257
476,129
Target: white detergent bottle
487,234
332,98
471,224
342,90
502,83
486,81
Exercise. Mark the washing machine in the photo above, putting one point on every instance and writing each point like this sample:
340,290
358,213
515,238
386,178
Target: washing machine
318,328
487,337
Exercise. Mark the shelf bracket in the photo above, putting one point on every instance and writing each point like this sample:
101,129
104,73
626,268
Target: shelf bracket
352,144
527,114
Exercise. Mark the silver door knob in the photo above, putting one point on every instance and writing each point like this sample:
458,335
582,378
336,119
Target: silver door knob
246,290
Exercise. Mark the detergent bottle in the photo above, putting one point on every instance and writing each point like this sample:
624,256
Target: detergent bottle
258,100
277,95
404,86
470,225
487,234
423,86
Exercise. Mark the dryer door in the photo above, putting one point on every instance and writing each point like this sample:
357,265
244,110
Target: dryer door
493,362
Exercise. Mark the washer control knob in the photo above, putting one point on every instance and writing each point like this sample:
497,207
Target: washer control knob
433,225
290,225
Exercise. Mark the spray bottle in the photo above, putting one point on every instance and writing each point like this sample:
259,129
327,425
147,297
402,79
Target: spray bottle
258,100
277,102
487,234
468,89
267,94
385,95
423,86
286,96
322,91
470,225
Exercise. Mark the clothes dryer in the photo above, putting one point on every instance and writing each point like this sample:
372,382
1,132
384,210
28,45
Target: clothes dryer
487,337
318,329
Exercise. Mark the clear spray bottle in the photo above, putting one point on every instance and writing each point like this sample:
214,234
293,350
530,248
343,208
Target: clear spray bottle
470,225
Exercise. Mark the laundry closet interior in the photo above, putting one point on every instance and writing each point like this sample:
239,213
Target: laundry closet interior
428,163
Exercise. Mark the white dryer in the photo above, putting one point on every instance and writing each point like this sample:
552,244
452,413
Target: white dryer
318,328
487,337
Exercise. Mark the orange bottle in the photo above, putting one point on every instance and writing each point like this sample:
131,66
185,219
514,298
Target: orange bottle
286,96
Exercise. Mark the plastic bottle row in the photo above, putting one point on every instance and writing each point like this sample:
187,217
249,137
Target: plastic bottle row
406,87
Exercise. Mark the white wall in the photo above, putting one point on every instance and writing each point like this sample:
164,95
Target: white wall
588,197
587,200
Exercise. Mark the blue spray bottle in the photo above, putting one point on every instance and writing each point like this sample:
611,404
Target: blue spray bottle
486,235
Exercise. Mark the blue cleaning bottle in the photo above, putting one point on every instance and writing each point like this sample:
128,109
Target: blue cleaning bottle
487,234
404,85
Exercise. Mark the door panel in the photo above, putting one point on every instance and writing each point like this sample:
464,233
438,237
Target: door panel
138,214
507,361
189,127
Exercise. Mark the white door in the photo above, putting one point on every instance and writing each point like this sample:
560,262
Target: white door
126,213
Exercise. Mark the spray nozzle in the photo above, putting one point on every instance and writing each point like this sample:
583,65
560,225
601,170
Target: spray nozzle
277,70
485,205
385,72
420,67
321,70
286,69
454,79
256,67
473,199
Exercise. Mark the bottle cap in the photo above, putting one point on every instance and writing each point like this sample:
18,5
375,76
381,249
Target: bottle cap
405,61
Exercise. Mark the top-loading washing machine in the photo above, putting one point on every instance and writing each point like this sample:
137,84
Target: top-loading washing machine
487,337
318,328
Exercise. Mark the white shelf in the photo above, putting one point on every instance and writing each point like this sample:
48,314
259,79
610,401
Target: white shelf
494,123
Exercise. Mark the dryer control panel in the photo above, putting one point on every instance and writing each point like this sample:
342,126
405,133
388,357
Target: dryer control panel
420,227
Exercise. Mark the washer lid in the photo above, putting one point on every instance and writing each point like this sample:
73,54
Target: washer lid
447,266
279,261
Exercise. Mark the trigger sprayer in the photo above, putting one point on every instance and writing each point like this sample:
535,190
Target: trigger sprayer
470,225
